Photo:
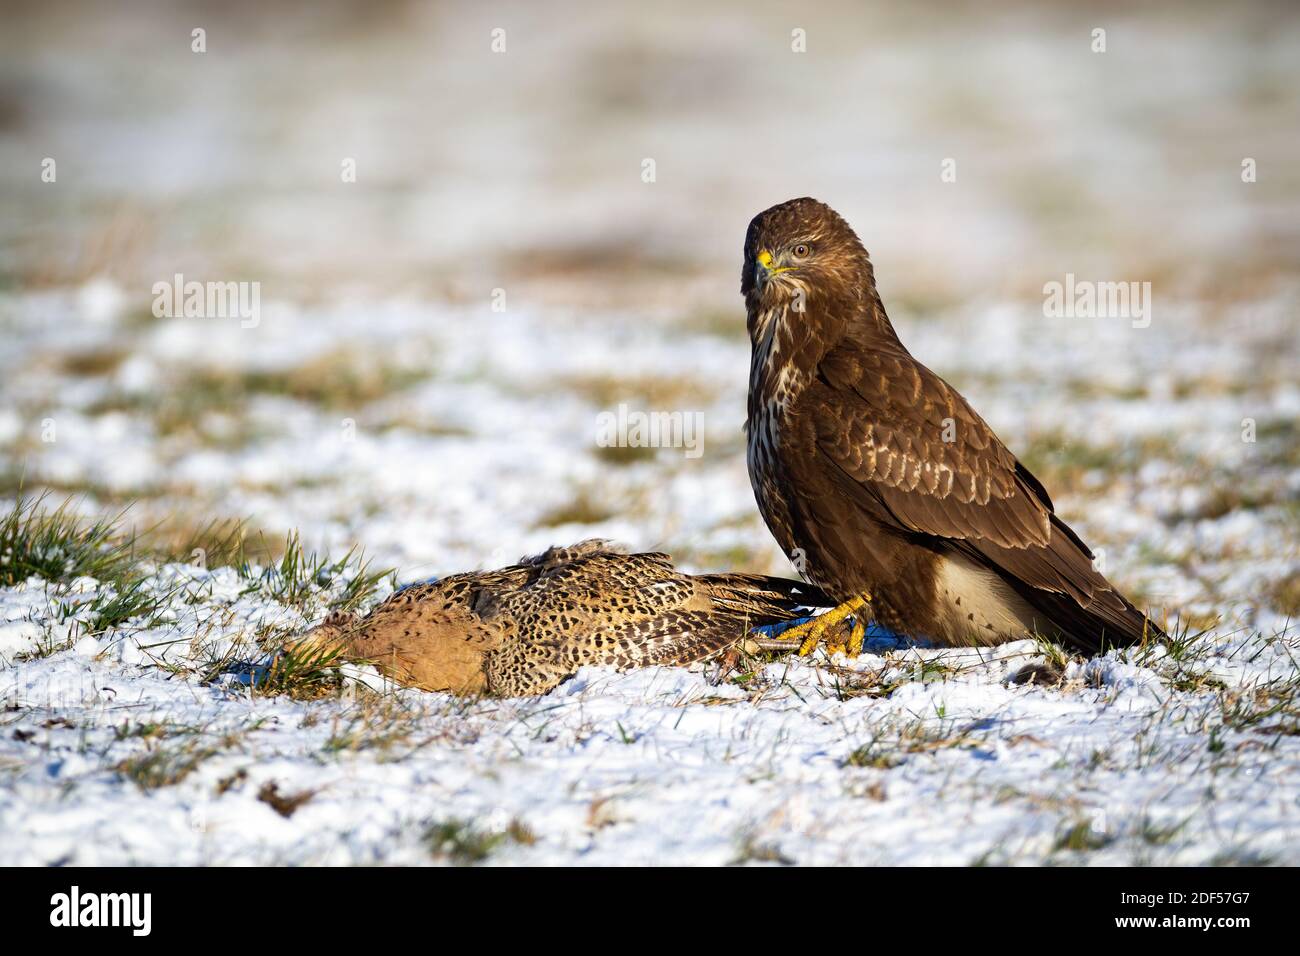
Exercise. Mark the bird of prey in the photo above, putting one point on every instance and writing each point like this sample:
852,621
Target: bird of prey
879,480
524,629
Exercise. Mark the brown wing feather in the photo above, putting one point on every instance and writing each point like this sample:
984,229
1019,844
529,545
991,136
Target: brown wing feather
970,490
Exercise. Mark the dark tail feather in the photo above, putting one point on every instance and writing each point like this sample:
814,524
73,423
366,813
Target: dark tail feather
1110,620
776,599
1075,602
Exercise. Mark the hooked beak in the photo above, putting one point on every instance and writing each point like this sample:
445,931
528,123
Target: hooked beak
765,267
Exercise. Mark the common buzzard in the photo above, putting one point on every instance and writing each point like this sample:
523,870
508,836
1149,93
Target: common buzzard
878,479
523,629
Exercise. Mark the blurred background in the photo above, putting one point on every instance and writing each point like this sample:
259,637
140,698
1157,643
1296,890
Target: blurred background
438,337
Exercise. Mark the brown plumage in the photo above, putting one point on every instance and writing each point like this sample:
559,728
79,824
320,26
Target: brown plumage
876,476
525,628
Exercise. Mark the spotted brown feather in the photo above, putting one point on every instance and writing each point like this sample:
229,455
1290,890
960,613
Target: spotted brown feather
523,629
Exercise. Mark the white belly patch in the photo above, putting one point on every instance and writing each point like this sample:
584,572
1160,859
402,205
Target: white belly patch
978,606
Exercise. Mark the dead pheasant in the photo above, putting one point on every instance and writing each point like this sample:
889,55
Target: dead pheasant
524,629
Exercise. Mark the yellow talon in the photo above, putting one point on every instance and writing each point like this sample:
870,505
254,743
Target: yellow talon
858,637
814,632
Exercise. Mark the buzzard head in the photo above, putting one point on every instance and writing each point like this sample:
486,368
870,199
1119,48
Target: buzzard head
800,242
806,279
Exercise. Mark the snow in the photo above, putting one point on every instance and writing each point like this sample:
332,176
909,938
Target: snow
652,766
150,743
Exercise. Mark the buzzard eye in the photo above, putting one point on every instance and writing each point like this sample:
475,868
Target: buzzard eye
802,251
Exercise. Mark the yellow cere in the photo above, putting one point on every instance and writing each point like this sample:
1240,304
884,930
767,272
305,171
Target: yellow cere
765,260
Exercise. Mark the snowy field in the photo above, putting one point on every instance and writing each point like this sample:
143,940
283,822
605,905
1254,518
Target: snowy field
382,403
